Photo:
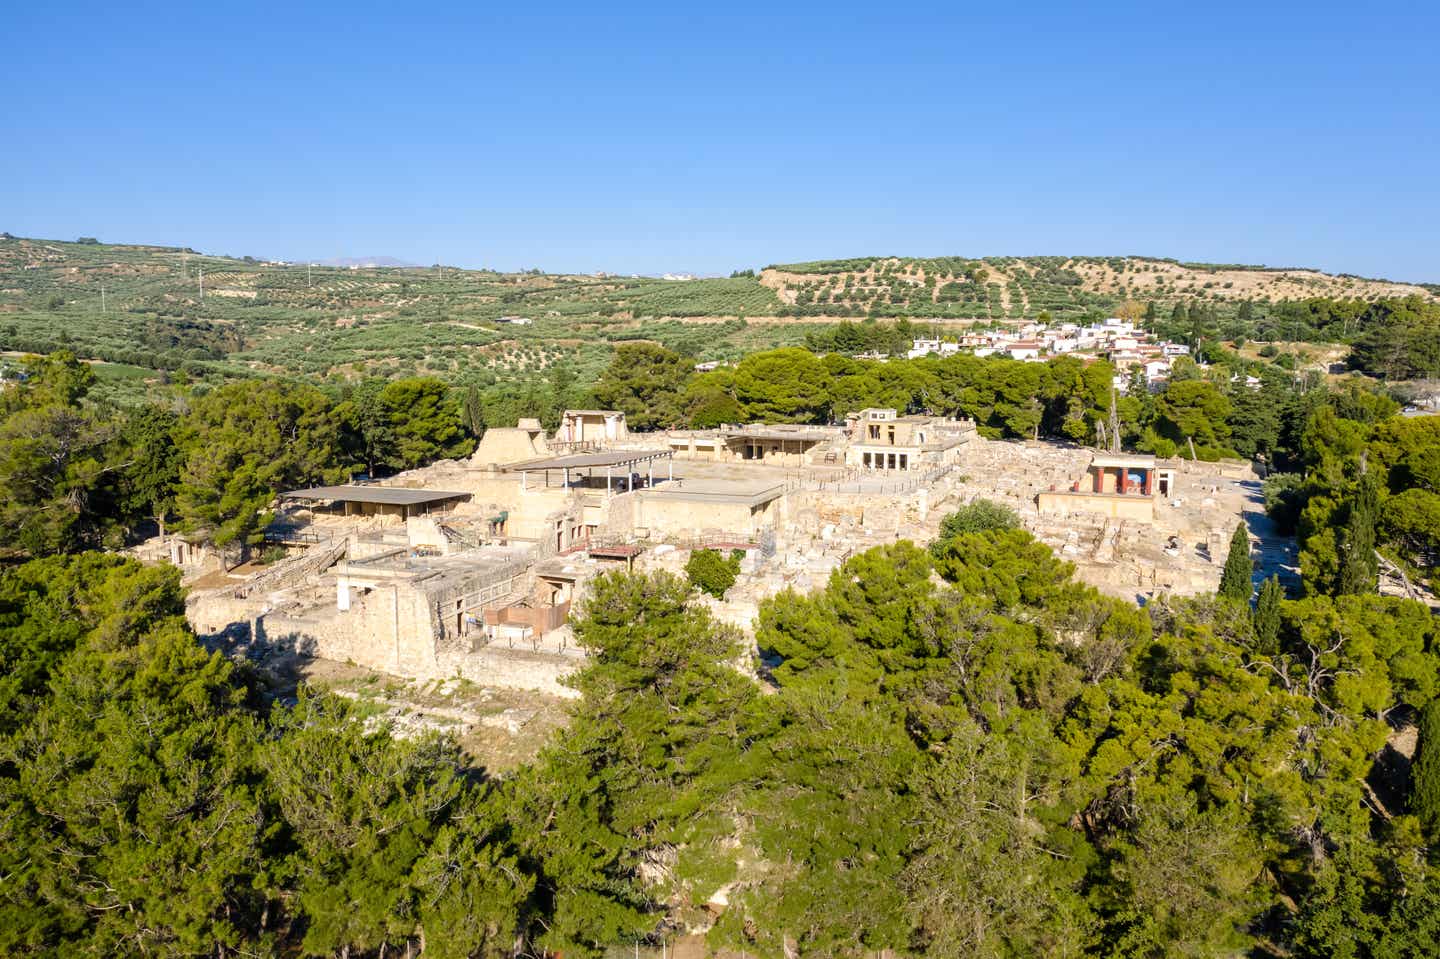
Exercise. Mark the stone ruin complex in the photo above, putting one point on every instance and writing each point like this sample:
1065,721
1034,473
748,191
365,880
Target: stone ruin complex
470,568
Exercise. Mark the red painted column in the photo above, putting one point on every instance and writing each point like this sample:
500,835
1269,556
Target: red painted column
1099,479
1124,486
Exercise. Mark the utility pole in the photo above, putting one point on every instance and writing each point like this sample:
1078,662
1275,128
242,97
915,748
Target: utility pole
307,276
102,297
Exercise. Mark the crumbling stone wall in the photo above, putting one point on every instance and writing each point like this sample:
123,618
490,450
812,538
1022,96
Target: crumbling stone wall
386,628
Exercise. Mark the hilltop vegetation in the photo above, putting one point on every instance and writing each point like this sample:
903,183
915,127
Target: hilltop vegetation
1024,287
140,308
142,305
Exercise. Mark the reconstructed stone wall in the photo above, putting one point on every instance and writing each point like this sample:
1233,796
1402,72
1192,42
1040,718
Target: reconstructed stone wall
509,444
668,516
1117,506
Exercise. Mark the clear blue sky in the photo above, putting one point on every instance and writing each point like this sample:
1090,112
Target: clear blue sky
640,138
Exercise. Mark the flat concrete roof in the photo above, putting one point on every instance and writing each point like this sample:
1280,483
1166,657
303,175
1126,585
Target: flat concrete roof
781,436
708,492
1113,459
580,461
383,495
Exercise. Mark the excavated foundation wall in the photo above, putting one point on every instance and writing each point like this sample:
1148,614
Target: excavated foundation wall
391,631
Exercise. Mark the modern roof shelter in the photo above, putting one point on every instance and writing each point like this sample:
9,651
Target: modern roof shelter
403,500
624,460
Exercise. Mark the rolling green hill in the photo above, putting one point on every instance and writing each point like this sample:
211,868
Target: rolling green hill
1022,287
142,307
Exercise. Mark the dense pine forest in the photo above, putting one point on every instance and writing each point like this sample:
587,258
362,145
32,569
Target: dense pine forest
957,751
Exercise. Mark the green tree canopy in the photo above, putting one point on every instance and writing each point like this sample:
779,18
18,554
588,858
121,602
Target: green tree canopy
243,443
646,383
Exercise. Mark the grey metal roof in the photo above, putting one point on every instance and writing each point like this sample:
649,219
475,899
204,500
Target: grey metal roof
580,461
786,436
383,495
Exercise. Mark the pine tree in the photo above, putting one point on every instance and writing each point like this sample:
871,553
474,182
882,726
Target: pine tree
1235,580
1265,620
1359,568
1425,774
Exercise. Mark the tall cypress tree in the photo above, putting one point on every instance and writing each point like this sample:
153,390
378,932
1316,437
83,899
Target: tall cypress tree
472,411
1265,620
1359,567
1235,580
1425,774
1179,315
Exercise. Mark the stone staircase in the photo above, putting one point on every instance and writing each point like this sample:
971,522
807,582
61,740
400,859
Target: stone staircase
313,561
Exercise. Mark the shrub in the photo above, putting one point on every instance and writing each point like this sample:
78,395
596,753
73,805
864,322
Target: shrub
712,573
1284,499
978,517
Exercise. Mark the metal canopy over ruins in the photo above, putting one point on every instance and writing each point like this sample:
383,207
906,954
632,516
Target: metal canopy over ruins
589,462
397,501
579,461
377,495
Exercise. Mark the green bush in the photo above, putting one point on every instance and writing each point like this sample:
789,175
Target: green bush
1284,499
979,516
712,573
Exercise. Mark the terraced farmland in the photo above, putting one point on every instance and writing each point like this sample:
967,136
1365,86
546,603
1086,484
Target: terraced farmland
172,309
